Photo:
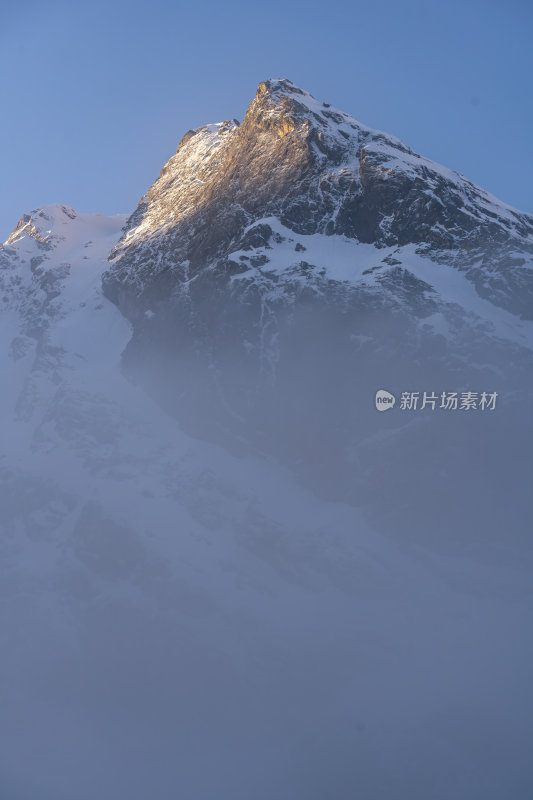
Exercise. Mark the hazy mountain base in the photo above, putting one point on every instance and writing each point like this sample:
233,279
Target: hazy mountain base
178,621
296,379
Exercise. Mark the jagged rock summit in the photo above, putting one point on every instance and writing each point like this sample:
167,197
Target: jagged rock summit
316,170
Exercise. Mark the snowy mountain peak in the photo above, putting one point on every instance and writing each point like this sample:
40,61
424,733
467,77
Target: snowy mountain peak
284,97
283,92
280,91
59,227
42,222
54,258
54,319
317,171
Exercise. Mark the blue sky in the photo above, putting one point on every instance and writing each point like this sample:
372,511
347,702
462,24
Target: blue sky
95,96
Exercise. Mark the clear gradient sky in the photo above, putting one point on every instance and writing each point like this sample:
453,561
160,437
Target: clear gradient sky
95,96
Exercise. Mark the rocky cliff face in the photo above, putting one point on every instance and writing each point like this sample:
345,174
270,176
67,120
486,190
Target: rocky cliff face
318,171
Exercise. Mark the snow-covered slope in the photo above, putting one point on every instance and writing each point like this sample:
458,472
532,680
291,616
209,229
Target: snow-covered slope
54,315
352,263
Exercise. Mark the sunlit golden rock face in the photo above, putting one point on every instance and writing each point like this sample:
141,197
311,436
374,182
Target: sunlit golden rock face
317,170
269,115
